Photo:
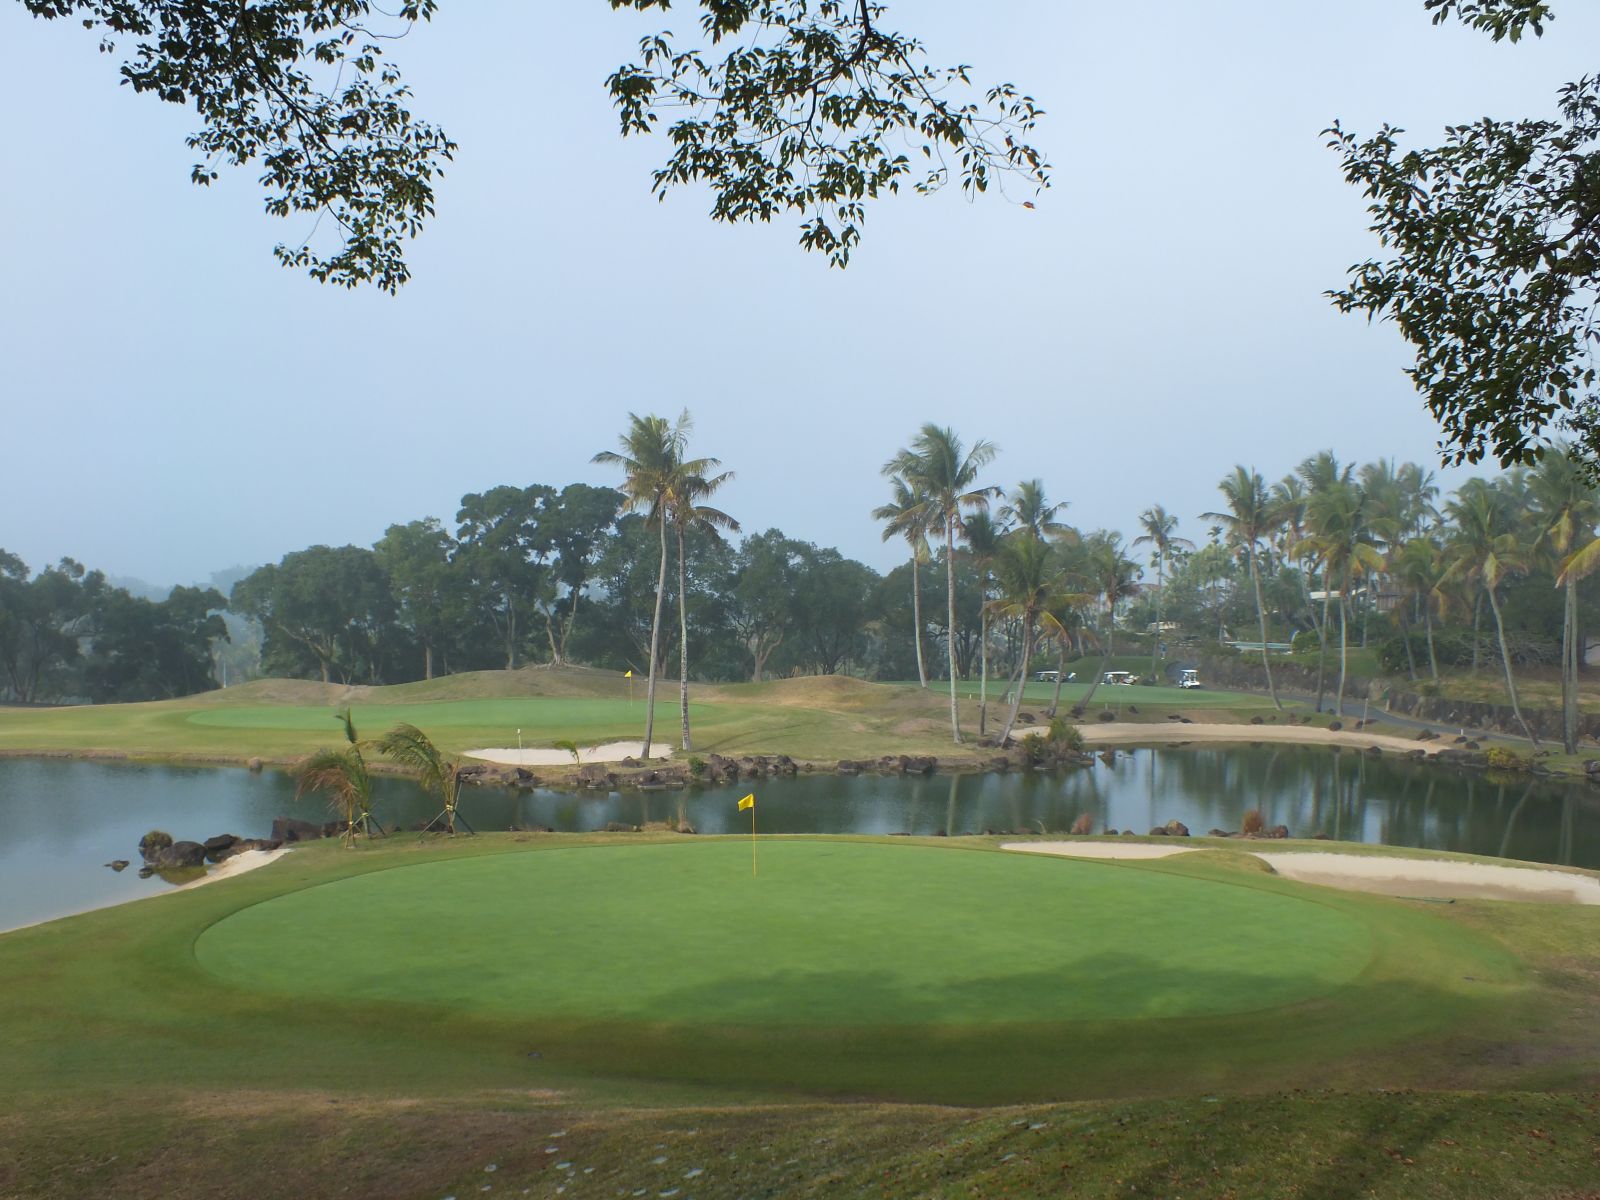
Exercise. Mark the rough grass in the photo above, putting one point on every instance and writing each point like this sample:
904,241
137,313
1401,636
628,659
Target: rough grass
130,1072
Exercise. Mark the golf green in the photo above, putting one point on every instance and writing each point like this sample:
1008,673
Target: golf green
828,934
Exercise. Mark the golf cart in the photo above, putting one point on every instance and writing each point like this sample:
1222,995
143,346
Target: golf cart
1189,679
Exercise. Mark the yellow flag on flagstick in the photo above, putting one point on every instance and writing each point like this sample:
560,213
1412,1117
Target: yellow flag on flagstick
627,674
748,802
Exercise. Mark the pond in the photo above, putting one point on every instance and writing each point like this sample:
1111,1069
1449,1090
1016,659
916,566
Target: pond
60,821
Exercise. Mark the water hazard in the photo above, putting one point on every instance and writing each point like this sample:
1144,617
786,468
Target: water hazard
61,821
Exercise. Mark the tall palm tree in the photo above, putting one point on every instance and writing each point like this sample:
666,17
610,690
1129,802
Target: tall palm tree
940,468
1342,543
1566,511
1159,533
437,771
1247,521
689,485
1416,569
983,537
1110,574
1030,587
906,516
1028,509
1486,550
651,452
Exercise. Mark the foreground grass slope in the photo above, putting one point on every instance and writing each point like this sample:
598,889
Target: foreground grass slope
818,718
130,1070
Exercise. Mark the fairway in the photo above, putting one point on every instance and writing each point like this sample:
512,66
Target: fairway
536,716
829,934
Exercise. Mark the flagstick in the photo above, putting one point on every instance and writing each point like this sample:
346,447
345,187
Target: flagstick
752,841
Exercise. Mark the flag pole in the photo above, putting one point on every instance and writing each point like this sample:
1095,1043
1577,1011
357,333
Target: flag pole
752,841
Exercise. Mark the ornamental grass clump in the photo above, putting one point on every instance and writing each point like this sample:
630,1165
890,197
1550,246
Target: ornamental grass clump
1254,822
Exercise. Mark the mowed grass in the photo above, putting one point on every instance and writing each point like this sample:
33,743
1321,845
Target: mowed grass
819,718
132,1070
828,933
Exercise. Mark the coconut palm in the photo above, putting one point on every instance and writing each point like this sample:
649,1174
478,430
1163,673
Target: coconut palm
1028,509
1341,542
1030,587
437,771
945,473
983,536
1416,568
906,516
1111,575
1159,526
1566,511
652,450
689,484
1485,549
1247,521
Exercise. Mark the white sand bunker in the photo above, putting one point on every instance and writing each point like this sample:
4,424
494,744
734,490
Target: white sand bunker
1098,849
1436,878
238,864
610,752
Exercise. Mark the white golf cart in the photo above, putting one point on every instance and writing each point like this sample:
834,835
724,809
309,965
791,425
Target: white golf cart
1189,679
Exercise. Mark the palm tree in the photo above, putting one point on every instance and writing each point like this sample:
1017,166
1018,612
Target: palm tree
907,516
1342,543
983,537
1159,525
1247,521
940,469
1110,574
1030,588
691,483
1567,511
1485,550
1027,509
651,452
437,772
1416,569
343,776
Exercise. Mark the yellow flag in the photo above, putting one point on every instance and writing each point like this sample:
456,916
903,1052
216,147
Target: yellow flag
627,675
748,802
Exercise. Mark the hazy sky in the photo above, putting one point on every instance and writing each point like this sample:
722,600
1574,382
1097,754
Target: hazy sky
174,402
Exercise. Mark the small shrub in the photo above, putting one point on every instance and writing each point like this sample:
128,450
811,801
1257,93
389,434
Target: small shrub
1035,749
697,766
1084,824
1064,735
156,839
1503,758
1253,822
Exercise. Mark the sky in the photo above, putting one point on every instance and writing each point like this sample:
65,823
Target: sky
173,402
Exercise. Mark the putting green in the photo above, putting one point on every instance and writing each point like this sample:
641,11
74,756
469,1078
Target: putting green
830,934
534,715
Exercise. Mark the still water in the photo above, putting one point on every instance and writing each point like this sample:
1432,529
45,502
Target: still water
61,821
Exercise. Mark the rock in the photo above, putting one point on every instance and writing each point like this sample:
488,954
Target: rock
1129,833
255,764
1026,718
242,844
179,854
1159,831
1177,829
595,775
1472,746
1375,751
1133,708
292,829
1174,717
846,767
1106,715
1111,833
1257,721
1335,726
619,827
1592,767
1278,831
217,847
155,840
628,761
1427,735
118,864
1218,833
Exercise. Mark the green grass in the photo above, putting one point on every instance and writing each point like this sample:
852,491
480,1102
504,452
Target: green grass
133,1069
819,718
829,934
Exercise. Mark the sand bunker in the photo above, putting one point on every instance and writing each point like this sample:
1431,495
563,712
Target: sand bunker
610,752
1439,878
245,860
1119,733
1385,875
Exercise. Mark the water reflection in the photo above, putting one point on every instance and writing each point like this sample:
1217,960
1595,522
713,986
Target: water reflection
59,821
